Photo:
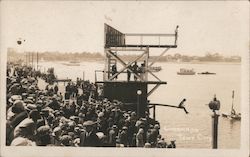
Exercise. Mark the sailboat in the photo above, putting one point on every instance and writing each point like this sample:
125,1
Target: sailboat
233,115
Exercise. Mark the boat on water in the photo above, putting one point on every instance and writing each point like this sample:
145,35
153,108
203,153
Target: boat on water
72,63
233,115
155,69
206,73
184,71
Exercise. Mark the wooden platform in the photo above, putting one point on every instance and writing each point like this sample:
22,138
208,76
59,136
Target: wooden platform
150,46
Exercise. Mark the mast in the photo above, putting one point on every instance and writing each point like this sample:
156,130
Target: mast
26,58
232,108
36,60
32,56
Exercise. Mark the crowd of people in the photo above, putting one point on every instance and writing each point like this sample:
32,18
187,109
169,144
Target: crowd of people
37,117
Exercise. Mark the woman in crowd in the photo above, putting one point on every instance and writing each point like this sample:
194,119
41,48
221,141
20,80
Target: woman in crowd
43,118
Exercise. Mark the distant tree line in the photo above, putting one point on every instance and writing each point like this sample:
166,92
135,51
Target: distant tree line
209,57
95,56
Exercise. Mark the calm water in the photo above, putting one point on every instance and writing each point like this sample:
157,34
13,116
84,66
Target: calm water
192,130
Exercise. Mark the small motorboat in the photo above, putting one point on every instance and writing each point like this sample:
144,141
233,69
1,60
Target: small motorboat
72,63
206,73
233,115
184,71
155,69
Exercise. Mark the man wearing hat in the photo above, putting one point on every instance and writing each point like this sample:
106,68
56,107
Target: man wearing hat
55,137
88,138
12,99
66,140
172,144
162,143
54,103
25,129
124,136
43,136
112,135
16,108
102,123
21,141
154,134
19,115
139,138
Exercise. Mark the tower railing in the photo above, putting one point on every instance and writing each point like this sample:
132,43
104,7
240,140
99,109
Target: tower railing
114,38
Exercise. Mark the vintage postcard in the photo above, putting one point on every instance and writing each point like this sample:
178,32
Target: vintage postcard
124,78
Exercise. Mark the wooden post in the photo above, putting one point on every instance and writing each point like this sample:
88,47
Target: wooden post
32,60
154,112
26,58
29,58
83,75
37,61
146,66
139,92
215,121
138,103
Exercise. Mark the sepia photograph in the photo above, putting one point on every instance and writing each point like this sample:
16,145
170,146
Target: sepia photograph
124,78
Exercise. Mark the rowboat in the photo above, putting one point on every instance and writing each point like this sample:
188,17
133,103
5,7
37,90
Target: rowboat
206,73
72,63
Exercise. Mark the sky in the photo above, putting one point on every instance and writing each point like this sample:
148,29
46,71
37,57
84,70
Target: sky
78,26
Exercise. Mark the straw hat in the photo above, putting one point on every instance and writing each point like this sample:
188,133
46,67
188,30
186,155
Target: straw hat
20,141
100,135
124,128
15,97
65,139
88,123
56,129
26,123
101,114
18,104
43,130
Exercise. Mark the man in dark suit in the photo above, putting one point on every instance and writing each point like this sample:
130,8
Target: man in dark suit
88,138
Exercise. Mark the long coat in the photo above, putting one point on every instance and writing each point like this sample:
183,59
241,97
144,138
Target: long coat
91,140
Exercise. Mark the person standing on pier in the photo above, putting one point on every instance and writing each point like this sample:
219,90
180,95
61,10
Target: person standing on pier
114,70
55,89
142,70
135,70
129,73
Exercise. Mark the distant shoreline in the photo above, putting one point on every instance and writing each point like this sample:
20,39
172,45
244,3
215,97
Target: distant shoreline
207,62
198,62
99,60
209,58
